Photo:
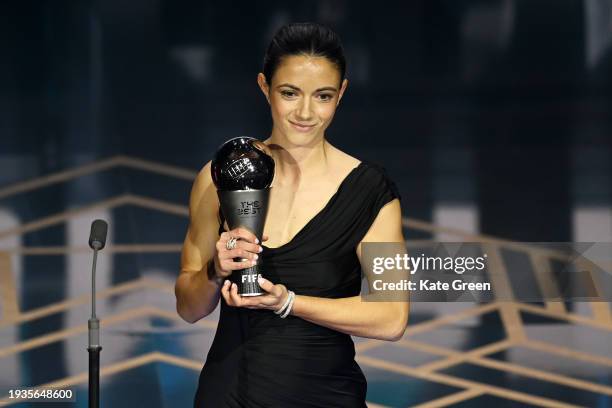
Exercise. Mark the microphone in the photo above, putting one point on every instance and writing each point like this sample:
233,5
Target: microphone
97,240
97,236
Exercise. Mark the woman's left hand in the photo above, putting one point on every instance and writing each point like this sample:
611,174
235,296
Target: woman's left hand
272,300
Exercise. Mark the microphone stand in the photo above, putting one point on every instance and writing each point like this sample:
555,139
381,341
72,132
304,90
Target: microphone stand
97,240
94,347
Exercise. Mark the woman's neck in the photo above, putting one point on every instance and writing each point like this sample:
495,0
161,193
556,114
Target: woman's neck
299,162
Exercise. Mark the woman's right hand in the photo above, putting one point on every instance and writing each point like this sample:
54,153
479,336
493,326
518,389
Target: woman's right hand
247,249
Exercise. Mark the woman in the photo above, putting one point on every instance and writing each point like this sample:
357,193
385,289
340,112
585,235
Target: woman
292,347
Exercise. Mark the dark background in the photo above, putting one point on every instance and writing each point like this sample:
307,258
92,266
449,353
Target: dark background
504,106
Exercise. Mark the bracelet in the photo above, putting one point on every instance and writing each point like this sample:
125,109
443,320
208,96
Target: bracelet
289,307
282,308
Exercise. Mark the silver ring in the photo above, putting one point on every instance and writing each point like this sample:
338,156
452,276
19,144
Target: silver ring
231,243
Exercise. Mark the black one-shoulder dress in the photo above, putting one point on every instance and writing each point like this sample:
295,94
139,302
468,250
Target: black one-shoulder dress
259,360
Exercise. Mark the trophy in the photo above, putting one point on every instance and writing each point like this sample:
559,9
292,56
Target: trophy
242,173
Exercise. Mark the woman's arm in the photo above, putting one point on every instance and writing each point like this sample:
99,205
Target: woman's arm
353,315
196,294
197,288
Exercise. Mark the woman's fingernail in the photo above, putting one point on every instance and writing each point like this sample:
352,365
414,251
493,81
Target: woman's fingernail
253,263
260,280
226,282
255,256
260,248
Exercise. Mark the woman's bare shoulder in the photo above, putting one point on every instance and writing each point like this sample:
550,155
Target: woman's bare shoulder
344,160
203,179
203,197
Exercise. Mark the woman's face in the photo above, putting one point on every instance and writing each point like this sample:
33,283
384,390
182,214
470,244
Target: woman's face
303,97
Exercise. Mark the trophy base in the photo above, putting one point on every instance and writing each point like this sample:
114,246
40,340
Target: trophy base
246,279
